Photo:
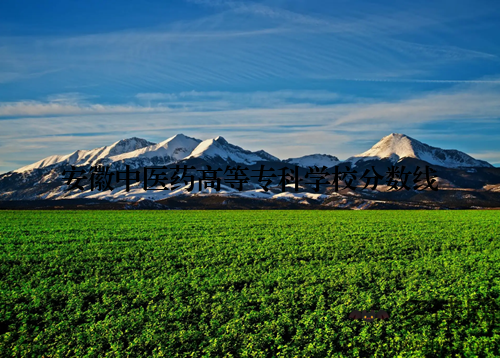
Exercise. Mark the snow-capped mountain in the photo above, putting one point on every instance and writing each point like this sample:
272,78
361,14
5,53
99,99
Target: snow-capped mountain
88,157
318,160
44,179
219,148
170,150
397,146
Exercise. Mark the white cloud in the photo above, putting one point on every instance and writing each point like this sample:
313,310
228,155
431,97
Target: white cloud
16,74
285,129
472,102
60,107
489,156
464,102
73,104
241,99
248,43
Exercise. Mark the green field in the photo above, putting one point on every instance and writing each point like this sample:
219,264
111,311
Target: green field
249,283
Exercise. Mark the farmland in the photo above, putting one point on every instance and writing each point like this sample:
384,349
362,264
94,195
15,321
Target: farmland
249,283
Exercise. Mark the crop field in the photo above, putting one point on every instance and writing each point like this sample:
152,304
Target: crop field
249,283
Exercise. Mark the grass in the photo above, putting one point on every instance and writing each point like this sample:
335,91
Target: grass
249,283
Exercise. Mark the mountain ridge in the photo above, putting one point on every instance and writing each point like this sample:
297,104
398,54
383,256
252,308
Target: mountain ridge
397,146
463,179
86,157
221,148
394,147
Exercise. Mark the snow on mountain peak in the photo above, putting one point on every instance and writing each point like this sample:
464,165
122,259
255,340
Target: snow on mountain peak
318,160
180,136
396,146
88,157
125,146
221,140
393,144
174,148
140,152
219,147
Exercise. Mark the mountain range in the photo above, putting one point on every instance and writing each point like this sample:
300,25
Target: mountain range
457,173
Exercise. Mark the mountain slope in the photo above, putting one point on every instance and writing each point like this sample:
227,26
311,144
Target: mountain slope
318,160
220,148
463,181
86,157
174,148
396,146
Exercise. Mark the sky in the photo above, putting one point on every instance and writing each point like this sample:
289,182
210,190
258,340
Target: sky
292,77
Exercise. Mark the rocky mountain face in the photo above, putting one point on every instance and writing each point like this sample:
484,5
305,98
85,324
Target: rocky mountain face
463,181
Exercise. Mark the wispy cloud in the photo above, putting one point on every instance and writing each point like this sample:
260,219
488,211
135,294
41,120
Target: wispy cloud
293,123
472,102
465,101
354,73
6,77
56,108
403,80
243,99
492,157
73,104
264,10
248,43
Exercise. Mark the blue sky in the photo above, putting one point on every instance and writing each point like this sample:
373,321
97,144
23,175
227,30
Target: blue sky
292,77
